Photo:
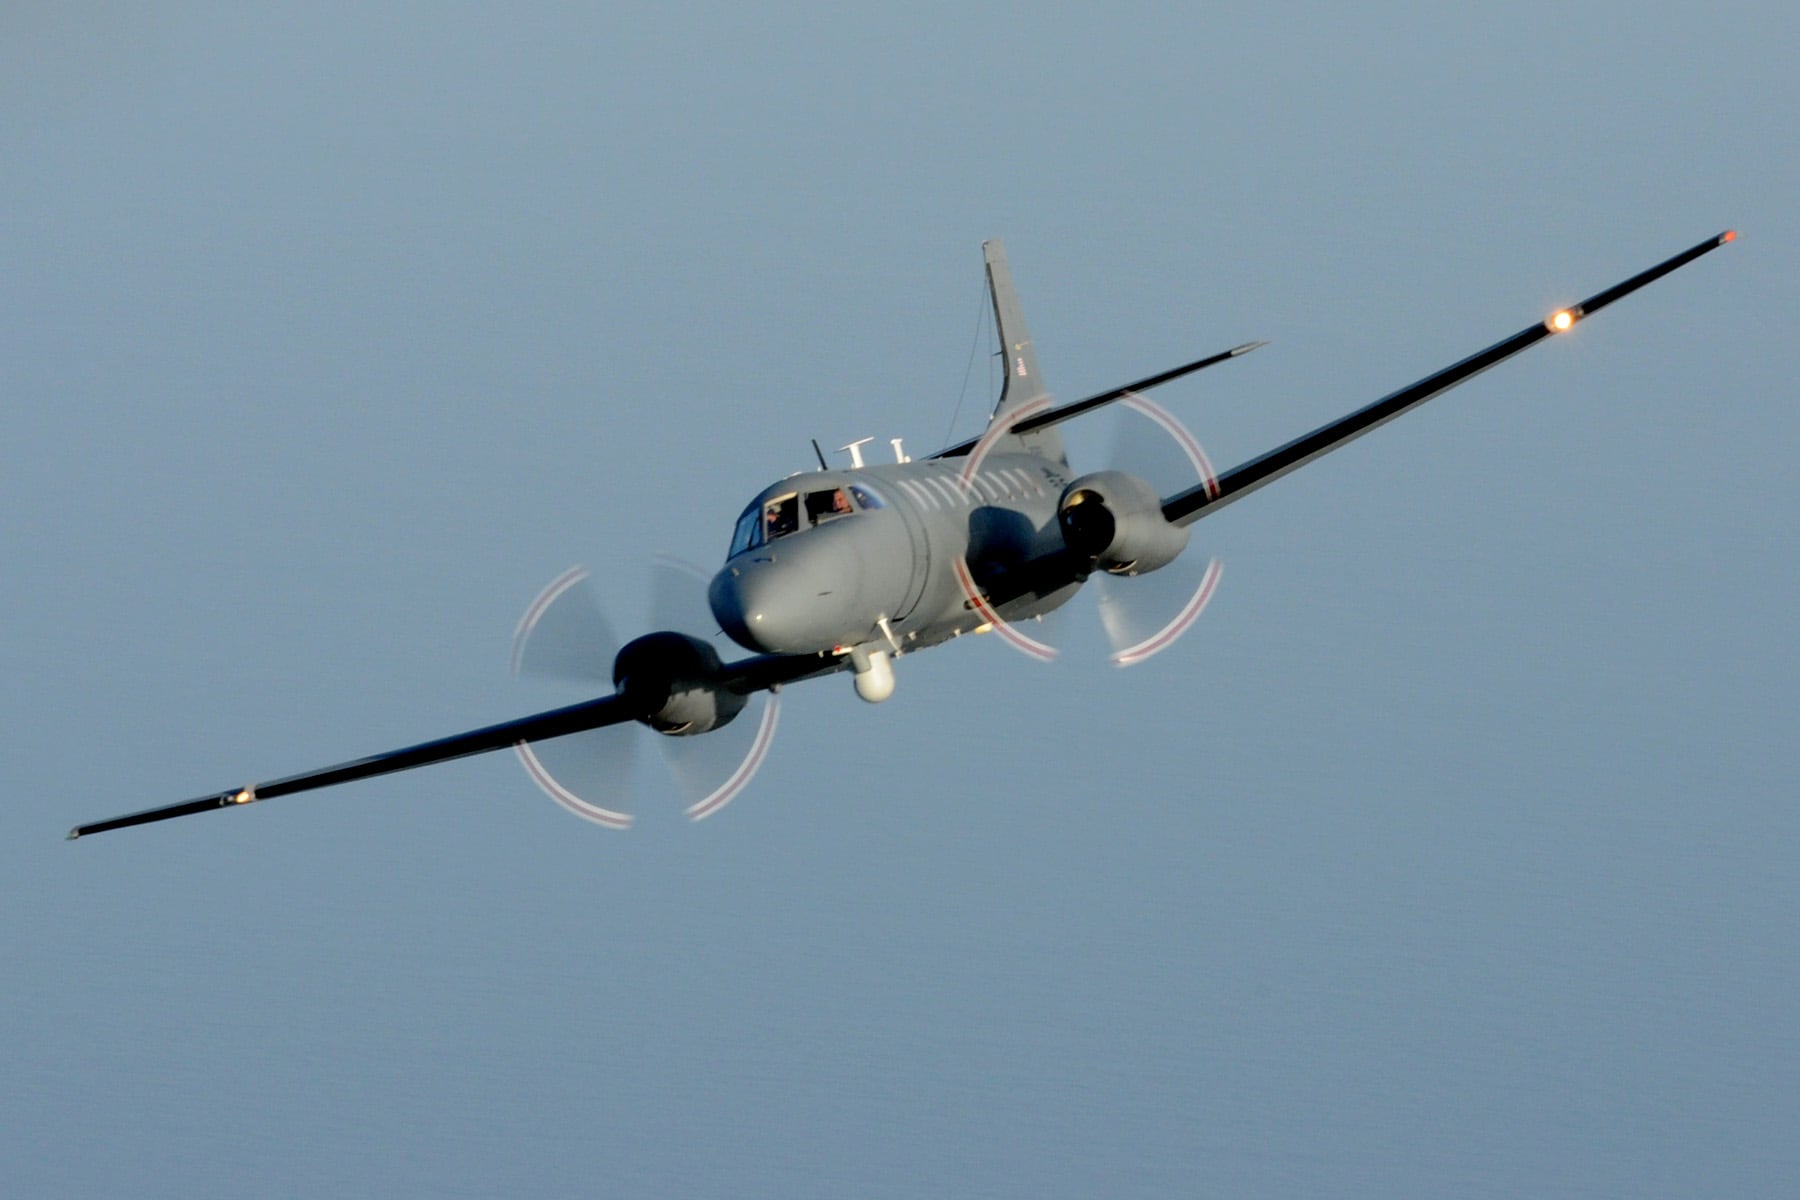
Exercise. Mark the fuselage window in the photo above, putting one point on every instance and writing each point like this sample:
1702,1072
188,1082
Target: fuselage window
824,506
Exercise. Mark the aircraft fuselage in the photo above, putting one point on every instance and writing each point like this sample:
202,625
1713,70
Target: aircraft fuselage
802,578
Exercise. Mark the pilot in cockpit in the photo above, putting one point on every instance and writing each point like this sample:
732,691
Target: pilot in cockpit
823,506
781,518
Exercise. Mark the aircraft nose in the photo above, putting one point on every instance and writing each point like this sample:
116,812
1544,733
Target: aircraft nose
745,605
789,607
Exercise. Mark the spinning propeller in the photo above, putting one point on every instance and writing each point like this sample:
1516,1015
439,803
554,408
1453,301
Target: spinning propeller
565,636
1143,611
1144,614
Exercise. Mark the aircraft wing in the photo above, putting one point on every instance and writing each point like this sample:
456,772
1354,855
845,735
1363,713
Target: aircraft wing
1189,506
590,714
751,674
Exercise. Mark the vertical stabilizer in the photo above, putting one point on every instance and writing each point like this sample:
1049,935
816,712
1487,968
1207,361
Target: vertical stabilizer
1023,383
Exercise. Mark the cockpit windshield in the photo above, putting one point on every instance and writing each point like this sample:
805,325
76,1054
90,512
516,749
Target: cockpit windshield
794,512
744,536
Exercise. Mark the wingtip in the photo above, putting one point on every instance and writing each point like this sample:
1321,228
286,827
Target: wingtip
73,834
1730,235
1247,347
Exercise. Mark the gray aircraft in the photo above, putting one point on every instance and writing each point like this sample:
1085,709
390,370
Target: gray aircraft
848,570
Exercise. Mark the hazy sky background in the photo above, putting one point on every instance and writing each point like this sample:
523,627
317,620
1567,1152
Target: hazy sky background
1452,853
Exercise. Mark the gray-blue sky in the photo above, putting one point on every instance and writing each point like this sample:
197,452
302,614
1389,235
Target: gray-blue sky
1450,853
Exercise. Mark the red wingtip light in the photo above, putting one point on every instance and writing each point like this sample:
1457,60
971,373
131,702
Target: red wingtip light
1730,235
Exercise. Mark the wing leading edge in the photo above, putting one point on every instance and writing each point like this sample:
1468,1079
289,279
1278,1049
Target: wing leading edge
1189,506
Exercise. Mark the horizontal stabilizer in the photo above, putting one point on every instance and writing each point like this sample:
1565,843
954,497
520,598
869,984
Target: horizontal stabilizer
1065,412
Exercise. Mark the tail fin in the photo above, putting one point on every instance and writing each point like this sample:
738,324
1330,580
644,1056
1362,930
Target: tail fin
1023,381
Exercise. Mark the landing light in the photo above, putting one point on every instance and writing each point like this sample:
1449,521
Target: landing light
244,796
1560,320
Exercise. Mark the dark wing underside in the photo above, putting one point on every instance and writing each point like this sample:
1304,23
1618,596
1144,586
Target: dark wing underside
1240,481
748,675
591,714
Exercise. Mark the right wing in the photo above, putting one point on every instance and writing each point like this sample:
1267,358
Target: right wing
1189,506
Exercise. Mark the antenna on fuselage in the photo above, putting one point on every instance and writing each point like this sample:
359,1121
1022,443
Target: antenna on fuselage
855,449
823,465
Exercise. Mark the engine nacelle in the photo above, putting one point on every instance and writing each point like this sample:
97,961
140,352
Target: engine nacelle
670,681
1115,521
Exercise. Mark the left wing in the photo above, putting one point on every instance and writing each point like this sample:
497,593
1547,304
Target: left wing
766,671
590,714
1189,506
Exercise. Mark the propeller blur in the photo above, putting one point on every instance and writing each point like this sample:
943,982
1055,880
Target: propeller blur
851,569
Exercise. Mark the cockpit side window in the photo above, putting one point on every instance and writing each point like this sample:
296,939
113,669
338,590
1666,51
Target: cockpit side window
824,506
865,499
781,517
